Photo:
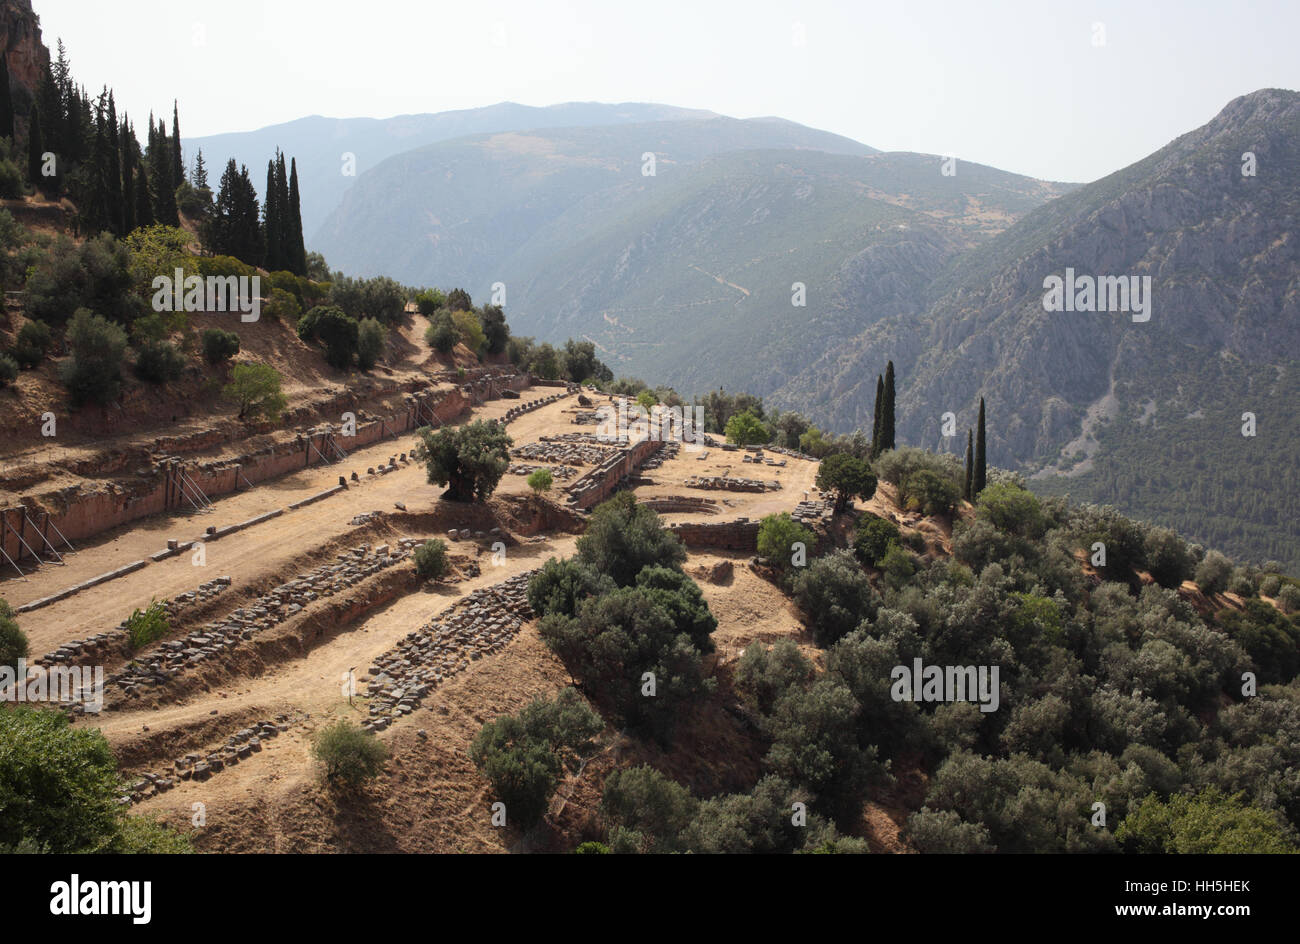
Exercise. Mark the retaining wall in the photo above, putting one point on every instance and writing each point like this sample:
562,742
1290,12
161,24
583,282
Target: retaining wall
79,514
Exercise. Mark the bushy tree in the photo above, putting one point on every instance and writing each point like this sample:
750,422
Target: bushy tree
33,343
522,755
777,537
929,493
765,675
835,596
848,477
873,538
1012,509
94,372
746,429
441,334
469,459
560,585
1212,573
335,329
256,389
371,339
815,745
645,811
8,370
1167,557
429,300
944,832
622,537
59,790
470,331
631,657
1209,822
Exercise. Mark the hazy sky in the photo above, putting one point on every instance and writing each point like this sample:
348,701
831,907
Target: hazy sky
1059,90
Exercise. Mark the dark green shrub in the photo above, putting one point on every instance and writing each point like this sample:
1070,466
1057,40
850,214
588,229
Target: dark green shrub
333,328
348,755
764,676
560,585
33,343
645,811
94,372
371,338
523,755
159,361
929,493
873,539
431,559
219,345
622,537
835,596
8,370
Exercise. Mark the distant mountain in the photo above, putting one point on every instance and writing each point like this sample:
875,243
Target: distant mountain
685,276
319,144
1145,415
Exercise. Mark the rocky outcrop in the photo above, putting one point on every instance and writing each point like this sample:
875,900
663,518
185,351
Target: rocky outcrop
20,38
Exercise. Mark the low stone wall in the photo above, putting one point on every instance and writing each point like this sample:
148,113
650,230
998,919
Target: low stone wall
599,483
738,535
78,515
171,657
482,623
688,504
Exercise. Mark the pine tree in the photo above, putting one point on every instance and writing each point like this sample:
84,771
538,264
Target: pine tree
980,476
6,100
271,219
887,410
35,148
178,166
297,247
875,426
970,467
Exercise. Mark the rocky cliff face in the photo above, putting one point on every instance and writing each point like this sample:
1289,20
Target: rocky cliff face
20,38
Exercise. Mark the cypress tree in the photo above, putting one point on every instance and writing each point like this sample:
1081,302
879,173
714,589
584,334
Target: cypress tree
128,175
178,167
271,216
160,175
282,208
875,426
298,248
200,176
113,172
980,472
887,410
6,100
35,148
143,205
970,466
